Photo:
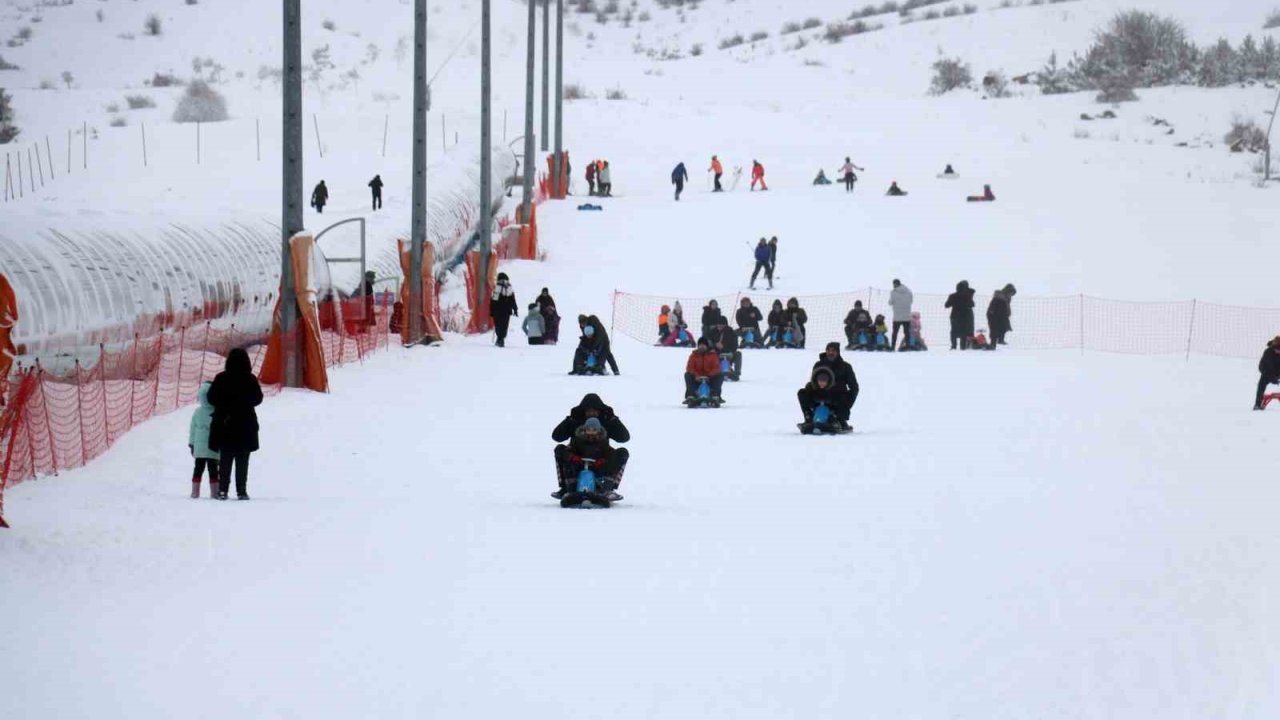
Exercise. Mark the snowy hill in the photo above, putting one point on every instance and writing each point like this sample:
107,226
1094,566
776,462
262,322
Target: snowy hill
1043,534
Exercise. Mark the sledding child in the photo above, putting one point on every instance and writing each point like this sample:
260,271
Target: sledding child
895,191
882,335
198,443
589,427
678,334
979,341
534,325
858,328
914,341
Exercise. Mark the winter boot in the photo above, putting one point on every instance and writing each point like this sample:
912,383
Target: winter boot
195,488
213,489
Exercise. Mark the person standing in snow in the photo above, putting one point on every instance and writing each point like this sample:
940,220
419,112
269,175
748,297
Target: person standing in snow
591,178
550,318
679,176
376,186
320,197
533,326
847,174
502,306
604,176
763,262
961,304
1269,368
900,299
999,312
198,442
718,170
233,432
757,176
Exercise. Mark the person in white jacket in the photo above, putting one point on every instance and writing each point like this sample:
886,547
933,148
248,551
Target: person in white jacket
534,325
900,299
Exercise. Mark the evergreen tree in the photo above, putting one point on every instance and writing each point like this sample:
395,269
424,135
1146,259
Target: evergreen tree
8,131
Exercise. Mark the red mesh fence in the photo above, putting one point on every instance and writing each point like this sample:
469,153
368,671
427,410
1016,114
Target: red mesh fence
53,422
1076,321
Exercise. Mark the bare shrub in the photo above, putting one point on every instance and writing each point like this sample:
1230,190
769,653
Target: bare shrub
696,50
8,131
758,36
329,25
1245,135
791,27
112,108
615,94
838,31
160,80
6,65
949,74
152,26
200,103
732,42
811,23
996,85
118,121
1081,134
139,102
574,91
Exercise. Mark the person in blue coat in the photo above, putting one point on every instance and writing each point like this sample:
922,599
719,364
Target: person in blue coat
679,177
764,261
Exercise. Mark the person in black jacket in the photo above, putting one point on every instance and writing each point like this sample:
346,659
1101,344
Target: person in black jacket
550,318
725,342
1269,367
376,186
320,196
607,347
818,391
568,463
777,319
844,387
711,318
961,304
234,394
749,317
998,313
590,343
795,318
502,306
858,324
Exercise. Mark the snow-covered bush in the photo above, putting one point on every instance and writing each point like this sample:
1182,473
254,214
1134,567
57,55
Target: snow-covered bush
329,25
758,36
615,94
1052,79
1245,135
1219,66
732,41
8,131
1147,48
837,31
161,80
788,28
696,50
6,65
201,103
152,26
1115,88
118,121
995,84
574,91
950,74
139,102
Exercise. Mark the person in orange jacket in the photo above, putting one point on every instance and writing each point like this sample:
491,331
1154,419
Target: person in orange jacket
757,175
718,170
704,364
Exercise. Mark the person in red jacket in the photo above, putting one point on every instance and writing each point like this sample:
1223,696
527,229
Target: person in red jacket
757,175
704,364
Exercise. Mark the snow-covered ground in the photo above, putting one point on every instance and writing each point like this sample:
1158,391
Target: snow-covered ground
1008,535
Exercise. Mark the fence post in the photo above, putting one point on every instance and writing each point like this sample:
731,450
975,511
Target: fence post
39,164
155,393
68,151
316,124
21,191
102,370
182,348
48,423
80,415
257,137
133,378
1191,330
613,312
197,142
84,136
31,174
386,121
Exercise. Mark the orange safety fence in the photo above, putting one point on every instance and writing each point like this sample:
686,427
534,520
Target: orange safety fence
58,421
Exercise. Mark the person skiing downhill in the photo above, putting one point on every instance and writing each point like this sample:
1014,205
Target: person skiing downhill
606,426
847,174
679,176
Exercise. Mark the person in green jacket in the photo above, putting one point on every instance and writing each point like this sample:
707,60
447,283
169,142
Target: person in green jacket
198,442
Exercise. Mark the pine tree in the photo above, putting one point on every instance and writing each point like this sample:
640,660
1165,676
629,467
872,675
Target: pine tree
8,131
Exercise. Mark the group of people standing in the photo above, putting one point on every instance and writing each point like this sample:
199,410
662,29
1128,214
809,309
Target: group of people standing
320,194
541,324
999,314
599,178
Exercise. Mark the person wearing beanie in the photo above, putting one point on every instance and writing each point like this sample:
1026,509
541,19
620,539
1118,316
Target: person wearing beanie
703,366
1269,369
594,419
895,191
961,304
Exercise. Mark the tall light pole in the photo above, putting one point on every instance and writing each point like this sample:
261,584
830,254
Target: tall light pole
418,221
529,67
546,75
559,156
486,194
292,221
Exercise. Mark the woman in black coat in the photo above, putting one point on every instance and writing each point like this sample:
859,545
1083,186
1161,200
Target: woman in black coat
1269,368
234,433
961,304
999,312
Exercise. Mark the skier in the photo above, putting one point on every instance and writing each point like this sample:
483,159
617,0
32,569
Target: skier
858,327
961,304
534,325
1269,369
844,388
502,305
703,366
319,197
848,175
764,256
900,299
234,394
711,317
998,313
679,176
591,178
757,176
718,170
749,317
773,258
198,443
986,196
376,185
895,191
569,457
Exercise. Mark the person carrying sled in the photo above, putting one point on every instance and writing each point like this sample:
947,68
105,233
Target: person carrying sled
748,317
679,176
593,445
320,197
848,175
961,304
502,306
763,256
843,391
718,171
703,366
375,185
858,328
900,299
757,176
999,312
711,318
1269,369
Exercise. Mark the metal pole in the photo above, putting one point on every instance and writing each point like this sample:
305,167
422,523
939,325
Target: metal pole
546,75
197,142
31,174
84,135
316,124
8,178
68,151
292,221
144,144
39,164
48,153
418,221
486,151
559,156
1274,109
257,138
444,135
21,192
386,123
529,85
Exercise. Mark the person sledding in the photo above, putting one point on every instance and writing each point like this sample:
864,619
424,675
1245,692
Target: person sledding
673,332
796,319
829,397
748,317
1269,372
858,328
847,174
702,377
882,343
590,356
948,173
821,178
725,342
779,330
914,341
711,317
895,191
589,427
986,196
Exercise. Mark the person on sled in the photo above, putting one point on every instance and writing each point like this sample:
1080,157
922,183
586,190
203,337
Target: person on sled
858,328
749,317
839,397
590,356
589,427
703,366
725,341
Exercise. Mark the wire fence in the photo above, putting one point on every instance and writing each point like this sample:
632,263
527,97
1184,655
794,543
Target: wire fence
57,421
1070,322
